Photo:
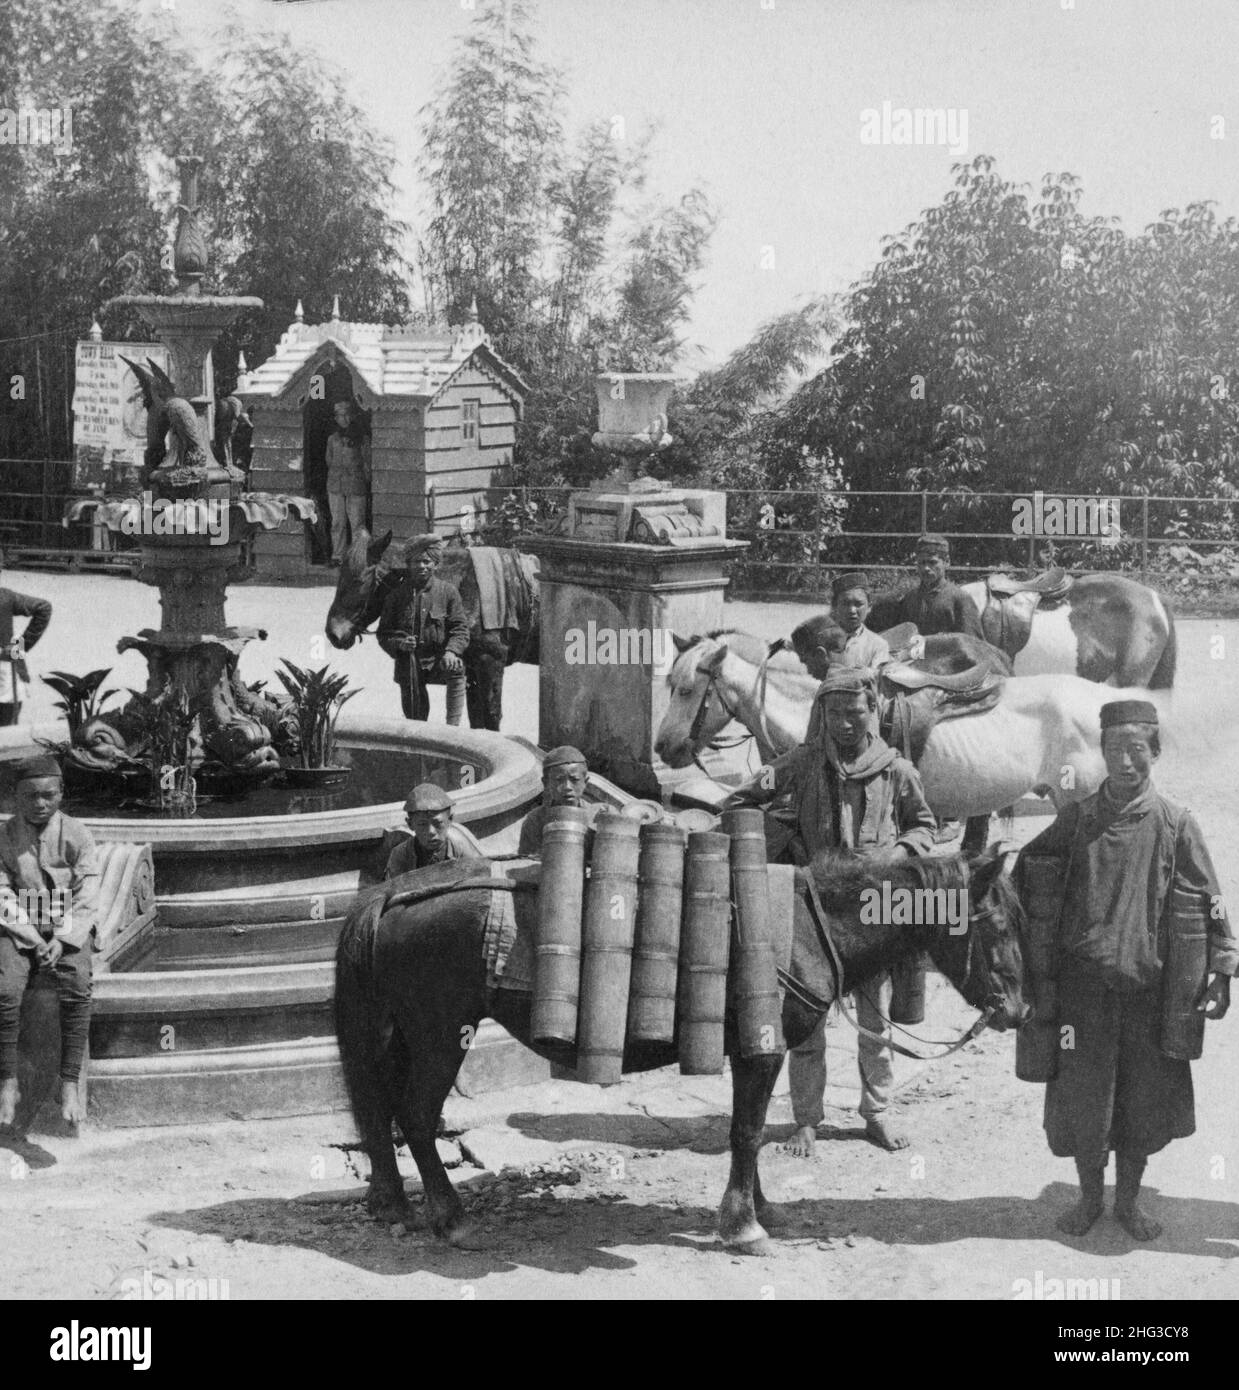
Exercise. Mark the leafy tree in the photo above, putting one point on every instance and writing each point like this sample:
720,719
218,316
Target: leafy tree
1003,344
571,272
295,191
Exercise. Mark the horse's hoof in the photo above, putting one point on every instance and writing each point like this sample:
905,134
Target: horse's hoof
466,1236
761,1245
751,1240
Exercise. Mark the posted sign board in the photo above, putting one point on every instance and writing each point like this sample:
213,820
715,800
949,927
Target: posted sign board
109,419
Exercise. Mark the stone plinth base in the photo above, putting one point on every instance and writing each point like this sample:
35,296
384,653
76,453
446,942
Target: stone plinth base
607,615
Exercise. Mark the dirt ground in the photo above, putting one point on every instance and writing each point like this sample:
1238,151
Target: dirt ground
612,1193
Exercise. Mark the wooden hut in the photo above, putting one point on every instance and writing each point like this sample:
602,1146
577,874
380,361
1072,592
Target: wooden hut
441,406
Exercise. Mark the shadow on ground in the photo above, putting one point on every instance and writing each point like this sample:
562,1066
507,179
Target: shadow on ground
574,1231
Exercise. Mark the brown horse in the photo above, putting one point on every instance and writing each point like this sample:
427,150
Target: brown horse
367,576
1107,628
411,988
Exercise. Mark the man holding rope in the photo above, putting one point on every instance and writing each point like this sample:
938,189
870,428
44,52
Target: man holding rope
847,790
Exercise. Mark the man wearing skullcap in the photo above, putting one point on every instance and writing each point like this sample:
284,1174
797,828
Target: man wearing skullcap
433,836
565,775
842,639
424,627
936,605
13,648
49,907
846,790
1136,876
849,606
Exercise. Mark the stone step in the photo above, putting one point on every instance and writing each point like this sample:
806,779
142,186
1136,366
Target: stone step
270,1079
255,943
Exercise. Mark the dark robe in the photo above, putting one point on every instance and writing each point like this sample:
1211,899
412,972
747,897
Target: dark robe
1115,1088
944,609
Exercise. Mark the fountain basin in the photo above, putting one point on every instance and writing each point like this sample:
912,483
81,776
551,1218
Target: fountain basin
222,1006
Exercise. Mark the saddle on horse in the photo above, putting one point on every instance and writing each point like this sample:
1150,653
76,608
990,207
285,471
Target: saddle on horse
917,700
1011,603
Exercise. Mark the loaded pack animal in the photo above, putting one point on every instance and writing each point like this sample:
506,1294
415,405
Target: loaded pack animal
412,981
1100,627
498,587
1029,733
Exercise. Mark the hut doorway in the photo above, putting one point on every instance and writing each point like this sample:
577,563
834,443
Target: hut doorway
318,422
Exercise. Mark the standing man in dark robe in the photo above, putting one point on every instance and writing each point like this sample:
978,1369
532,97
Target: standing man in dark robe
13,647
565,776
49,908
423,626
937,605
433,836
1128,857
848,790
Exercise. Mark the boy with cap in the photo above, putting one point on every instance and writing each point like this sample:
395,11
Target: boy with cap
49,905
937,605
424,627
433,836
13,648
848,790
849,607
1125,851
565,776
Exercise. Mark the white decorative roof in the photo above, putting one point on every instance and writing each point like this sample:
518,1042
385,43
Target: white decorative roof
406,365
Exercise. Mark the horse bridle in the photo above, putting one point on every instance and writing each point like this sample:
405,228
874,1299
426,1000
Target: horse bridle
699,718
993,1003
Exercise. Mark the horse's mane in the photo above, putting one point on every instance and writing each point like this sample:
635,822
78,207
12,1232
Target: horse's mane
752,649
841,875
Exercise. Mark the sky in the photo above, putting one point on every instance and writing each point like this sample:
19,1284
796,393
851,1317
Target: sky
762,102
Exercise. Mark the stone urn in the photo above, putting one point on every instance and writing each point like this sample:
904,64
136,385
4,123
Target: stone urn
632,411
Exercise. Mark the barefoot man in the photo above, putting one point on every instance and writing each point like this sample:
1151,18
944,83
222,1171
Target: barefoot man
1129,857
847,790
49,903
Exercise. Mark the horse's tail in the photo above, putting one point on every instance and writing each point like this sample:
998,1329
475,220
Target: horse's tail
1163,673
356,1003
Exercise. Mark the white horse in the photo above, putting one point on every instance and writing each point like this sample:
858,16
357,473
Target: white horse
1042,736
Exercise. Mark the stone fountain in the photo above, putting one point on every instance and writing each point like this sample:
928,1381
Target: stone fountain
193,655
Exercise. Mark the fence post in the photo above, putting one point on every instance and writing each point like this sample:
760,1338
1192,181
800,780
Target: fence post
1144,540
924,512
817,541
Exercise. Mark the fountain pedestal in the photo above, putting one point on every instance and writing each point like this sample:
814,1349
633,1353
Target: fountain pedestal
609,605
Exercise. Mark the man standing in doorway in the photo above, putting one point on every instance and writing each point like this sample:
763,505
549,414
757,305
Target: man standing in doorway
13,648
348,479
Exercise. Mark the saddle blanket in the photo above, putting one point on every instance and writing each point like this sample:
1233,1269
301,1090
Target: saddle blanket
502,588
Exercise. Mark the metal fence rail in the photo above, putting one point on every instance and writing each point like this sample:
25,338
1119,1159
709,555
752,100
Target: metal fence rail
798,538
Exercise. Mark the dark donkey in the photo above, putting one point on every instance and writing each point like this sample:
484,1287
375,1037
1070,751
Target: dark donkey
367,576
411,988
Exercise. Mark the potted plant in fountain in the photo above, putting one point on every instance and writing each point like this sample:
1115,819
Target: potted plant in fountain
315,700
82,701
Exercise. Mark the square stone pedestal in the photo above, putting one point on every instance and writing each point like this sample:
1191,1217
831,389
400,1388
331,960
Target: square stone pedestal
608,612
